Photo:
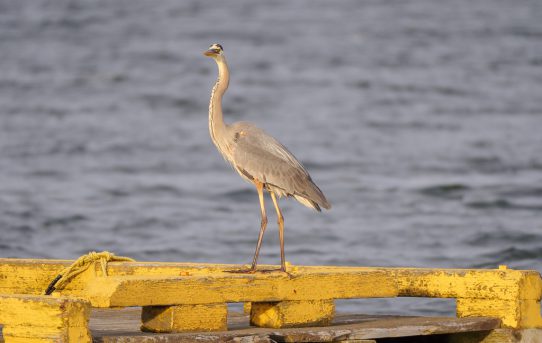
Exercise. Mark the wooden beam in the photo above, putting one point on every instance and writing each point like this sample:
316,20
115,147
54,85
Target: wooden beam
511,295
185,318
288,314
28,276
123,326
513,313
120,291
515,293
32,318
469,283
31,276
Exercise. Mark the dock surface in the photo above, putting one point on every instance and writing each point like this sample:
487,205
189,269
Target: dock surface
186,302
122,325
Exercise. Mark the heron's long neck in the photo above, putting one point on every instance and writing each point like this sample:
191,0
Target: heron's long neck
217,127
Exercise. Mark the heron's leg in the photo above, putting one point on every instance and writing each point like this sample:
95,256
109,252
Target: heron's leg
259,187
281,231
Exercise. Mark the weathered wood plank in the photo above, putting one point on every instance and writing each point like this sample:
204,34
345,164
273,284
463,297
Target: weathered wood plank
185,318
500,336
469,283
44,318
285,314
515,293
148,291
513,313
28,276
123,325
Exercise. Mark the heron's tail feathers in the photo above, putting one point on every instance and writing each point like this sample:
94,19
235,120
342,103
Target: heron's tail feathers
308,203
315,199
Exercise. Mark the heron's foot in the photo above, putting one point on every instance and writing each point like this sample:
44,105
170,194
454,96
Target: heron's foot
276,271
283,270
241,271
254,271
265,271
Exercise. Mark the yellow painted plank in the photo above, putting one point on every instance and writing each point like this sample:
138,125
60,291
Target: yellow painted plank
457,283
151,283
44,318
285,314
513,313
46,332
52,311
31,340
27,276
145,291
31,276
493,284
185,318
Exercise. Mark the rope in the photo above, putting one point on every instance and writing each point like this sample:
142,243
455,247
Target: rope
82,264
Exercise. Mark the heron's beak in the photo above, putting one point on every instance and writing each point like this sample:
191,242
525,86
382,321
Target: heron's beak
211,52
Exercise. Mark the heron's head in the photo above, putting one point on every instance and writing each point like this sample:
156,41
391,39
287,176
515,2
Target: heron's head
214,50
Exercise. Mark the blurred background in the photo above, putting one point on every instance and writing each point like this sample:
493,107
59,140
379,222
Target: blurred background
420,120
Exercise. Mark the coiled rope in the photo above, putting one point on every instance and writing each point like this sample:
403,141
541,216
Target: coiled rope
82,264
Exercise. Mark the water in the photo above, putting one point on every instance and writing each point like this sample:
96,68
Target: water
421,121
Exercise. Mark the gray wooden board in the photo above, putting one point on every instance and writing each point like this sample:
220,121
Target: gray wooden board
122,325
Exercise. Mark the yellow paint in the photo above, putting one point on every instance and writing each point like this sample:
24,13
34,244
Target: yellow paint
44,319
18,276
469,283
513,313
30,340
512,295
227,287
185,318
284,314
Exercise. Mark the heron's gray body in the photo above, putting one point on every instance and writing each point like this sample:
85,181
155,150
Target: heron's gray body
256,155
259,158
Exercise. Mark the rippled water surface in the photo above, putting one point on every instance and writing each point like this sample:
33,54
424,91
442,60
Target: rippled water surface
420,120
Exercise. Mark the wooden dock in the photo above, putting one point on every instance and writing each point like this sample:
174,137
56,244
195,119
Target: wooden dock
122,326
177,302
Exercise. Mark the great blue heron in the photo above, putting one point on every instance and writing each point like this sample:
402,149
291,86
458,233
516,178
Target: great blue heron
259,158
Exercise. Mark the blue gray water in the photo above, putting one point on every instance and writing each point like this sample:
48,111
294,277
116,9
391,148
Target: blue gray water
420,120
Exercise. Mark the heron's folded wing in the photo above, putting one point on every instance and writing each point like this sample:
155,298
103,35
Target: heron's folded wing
261,156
